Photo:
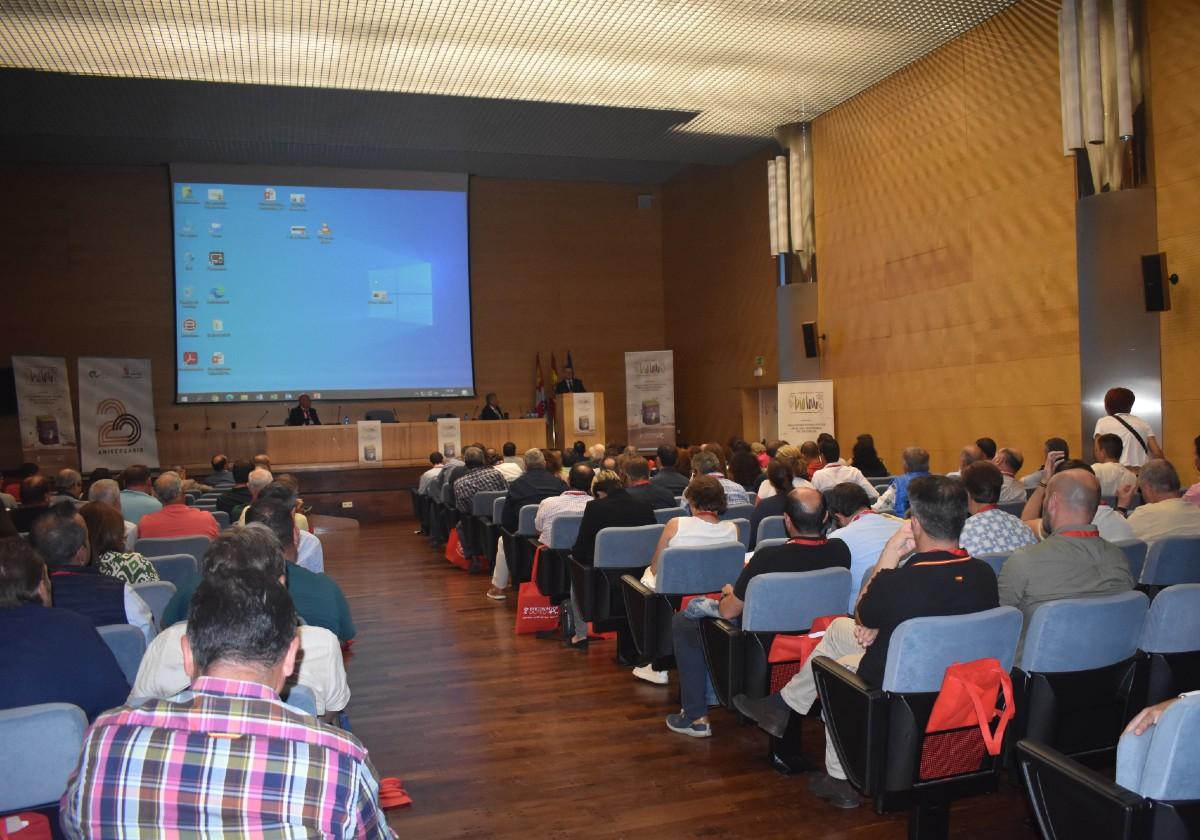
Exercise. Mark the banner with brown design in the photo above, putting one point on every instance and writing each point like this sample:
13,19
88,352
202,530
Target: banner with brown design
116,413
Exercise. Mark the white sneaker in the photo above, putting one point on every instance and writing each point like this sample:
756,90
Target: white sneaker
645,672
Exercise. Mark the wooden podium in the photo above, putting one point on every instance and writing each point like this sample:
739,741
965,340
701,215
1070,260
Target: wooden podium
565,429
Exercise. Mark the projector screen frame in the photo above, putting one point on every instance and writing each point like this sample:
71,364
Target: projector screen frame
303,176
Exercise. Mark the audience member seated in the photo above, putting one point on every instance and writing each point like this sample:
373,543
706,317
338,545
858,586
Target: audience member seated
835,472
137,497
636,471
310,554
107,490
293,485
1054,444
990,530
866,460
35,500
744,470
190,485
667,476
48,654
1074,561
436,466
61,537
510,465
779,479
864,531
176,519
319,600
240,647
259,478
1009,461
614,506
13,488
707,463
1109,471
1138,443
68,487
220,478
806,550
939,579
987,446
895,498
573,500
530,489
1193,493
810,454
106,534
968,455
261,461
249,549
239,494
760,452
1111,525
788,454
477,478
1163,513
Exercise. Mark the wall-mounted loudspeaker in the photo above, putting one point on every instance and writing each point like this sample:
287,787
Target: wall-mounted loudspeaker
1155,284
810,339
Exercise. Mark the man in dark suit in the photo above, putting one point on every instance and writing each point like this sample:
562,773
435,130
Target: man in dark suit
612,507
491,408
667,476
638,485
569,384
303,414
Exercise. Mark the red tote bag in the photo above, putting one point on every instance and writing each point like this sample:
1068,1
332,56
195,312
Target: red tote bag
535,613
960,729
788,653
454,551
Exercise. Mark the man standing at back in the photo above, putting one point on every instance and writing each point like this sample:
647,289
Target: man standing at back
173,767
1072,561
137,498
176,519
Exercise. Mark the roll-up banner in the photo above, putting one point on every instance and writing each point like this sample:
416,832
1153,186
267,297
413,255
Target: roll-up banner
47,420
449,437
116,413
650,398
370,442
805,410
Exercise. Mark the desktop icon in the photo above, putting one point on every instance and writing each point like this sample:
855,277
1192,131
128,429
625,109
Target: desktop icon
185,192
218,358
189,292
299,231
216,195
229,397
214,229
216,292
188,259
297,199
243,397
324,230
188,230
275,396
183,399
287,396
216,258
379,296
258,396
218,325
316,395
191,357
215,398
269,194
189,325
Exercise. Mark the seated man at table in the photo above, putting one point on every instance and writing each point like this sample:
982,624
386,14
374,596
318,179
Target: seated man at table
233,760
806,550
251,549
938,579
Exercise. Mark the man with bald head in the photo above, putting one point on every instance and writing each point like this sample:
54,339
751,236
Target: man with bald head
806,550
968,455
1073,561
177,518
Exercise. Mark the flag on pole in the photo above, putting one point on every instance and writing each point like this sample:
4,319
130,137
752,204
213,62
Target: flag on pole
551,398
539,391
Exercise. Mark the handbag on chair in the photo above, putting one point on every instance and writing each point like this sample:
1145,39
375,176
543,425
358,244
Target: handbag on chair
960,729
788,653
535,613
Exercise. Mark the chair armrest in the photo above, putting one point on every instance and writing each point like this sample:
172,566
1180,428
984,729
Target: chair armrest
1071,799
856,718
725,652
650,622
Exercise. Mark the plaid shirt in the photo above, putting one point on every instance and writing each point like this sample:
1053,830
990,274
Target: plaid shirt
473,481
231,761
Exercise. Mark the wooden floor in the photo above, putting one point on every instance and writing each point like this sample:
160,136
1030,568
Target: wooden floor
499,736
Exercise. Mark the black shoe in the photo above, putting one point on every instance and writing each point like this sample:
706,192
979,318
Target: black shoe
770,712
838,792
581,645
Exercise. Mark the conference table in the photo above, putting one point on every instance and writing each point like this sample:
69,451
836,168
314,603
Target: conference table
404,444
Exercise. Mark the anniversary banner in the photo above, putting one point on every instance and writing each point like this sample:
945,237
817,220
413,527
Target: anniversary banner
116,413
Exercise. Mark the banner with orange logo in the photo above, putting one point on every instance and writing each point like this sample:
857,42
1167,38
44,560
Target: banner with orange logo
116,413
44,405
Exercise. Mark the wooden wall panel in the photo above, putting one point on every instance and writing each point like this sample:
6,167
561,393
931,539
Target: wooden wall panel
88,272
1174,29
945,231
719,282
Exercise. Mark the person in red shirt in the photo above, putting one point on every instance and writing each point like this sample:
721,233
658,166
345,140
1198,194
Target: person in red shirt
176,519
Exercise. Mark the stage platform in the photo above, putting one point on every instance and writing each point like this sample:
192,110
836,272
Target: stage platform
352,491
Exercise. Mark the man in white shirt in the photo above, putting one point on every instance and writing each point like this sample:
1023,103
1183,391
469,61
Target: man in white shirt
864,531
435,458
1138,443
1009,461
511,467
1111,474
835,472
106,490
1054,444
1163,513
574,500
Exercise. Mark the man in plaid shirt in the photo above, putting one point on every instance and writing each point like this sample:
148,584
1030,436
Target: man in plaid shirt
233,760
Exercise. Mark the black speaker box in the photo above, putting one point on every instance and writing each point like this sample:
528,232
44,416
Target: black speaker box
1154,283
810,339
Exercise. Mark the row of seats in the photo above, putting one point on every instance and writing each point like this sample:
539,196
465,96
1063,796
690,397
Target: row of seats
1167,562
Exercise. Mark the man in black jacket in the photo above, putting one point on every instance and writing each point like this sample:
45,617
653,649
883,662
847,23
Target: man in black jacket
667,476
638,484
613,507
536,484
239,494
303,414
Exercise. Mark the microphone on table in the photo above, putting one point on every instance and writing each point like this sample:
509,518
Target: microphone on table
339,413
207,427
258,425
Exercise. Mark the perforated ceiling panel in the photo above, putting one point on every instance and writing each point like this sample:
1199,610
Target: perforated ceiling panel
731,69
